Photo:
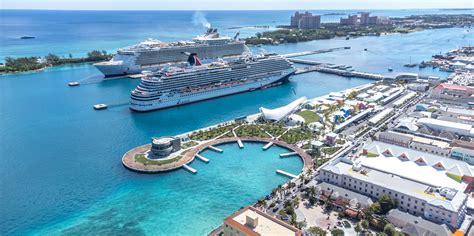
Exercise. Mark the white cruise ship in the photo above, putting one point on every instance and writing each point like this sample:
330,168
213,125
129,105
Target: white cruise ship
173,86
153,54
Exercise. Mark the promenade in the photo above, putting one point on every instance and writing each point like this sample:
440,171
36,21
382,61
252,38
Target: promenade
128,159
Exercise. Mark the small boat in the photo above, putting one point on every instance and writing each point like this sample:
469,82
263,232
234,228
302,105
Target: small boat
410,65
27,37
100,106
75,83
365,49
390,69
347,38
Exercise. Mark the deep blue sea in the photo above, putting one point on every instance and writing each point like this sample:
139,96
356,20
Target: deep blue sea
60,170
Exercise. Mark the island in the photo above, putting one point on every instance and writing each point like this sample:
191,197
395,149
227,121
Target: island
22,64
311,29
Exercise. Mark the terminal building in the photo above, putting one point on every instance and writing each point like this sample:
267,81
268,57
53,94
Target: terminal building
424,184
250,221
163,146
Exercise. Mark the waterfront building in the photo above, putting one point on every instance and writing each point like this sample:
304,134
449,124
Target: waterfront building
373,20
364,18
451,91
350,20
305,21
163,146
250,221
424,185
279,113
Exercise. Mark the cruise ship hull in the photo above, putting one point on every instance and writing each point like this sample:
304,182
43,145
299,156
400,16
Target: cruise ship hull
182,99
112,70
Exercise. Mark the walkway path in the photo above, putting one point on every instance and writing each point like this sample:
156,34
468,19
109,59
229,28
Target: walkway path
128,159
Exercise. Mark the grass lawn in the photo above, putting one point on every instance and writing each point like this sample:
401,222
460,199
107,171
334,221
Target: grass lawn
308,116
296,135
330,150
188,144
142,159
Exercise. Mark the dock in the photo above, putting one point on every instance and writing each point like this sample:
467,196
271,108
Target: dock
288,154
267,146
286,174
202,158
190,169
299,54
215,149
239,142
335,70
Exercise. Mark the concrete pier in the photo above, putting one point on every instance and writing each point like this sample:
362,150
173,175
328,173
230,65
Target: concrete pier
299,54
202,158
288,154
239,142
286,174
190,169
215,149
267,146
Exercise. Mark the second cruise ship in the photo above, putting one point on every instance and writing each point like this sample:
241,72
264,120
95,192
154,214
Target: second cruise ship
174,86
153,54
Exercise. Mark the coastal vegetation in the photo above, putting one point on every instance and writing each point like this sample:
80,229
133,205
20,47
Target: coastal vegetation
21,64
141,158
212,133
330,30
251,131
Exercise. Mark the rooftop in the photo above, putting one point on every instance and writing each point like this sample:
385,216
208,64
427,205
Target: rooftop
424,167
398,183
264,223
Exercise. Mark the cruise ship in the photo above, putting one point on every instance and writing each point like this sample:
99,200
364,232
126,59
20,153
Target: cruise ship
153,54
174,86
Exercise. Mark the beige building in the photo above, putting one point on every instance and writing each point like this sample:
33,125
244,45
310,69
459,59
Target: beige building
250,221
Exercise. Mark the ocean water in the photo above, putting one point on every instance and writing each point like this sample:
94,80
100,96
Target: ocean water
61,171
77,32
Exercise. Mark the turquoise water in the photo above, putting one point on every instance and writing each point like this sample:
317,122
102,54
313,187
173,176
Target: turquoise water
181,203
61,169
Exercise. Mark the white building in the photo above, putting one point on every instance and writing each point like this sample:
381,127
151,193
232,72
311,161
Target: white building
441,125
423,184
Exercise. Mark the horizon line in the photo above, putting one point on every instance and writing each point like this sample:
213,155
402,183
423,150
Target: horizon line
290,9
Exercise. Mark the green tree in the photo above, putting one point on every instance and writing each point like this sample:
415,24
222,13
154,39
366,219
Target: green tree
316,231
358,228
364,224
390,230
337,232
52,59
387,204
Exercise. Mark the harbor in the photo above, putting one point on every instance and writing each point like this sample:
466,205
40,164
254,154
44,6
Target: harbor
86,145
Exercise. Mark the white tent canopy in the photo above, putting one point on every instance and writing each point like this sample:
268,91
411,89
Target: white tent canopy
279,113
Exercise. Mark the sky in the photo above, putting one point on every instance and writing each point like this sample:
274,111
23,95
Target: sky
230,4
